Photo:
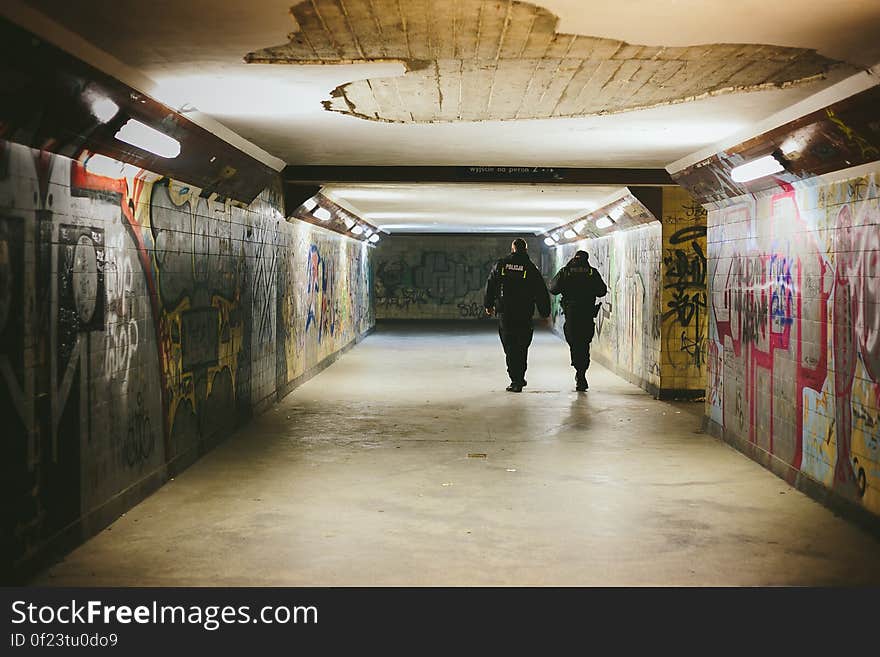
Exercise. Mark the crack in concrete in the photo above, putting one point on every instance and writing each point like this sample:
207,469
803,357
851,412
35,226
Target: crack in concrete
509,63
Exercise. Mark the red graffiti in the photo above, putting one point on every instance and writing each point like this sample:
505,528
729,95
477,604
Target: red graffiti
767,309
86,183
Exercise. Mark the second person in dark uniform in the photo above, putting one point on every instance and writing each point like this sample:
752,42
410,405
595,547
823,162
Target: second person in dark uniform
514,288
580,284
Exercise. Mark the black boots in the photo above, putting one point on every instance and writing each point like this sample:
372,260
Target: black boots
514,387
580,381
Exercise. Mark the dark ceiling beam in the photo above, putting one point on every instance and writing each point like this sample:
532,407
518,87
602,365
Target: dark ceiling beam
842,135
46,98
329,174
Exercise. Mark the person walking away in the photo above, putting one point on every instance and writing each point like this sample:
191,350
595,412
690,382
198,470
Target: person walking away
514,288
580,284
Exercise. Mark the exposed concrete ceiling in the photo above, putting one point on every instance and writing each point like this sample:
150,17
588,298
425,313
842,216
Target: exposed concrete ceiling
194,51
483,60
569,90
442,208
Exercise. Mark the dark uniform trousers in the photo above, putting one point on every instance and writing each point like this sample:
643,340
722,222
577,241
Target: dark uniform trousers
579,329
516,336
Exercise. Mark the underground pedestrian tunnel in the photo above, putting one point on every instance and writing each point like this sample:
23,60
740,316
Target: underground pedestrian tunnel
243,252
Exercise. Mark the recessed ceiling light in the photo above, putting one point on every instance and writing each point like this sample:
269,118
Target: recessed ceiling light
763,166
149,139
374,238
604,222
569,234
549,241
101,165
358,229
322,213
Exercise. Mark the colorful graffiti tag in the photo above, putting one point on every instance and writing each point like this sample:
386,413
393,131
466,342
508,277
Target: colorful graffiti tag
794,356
141,320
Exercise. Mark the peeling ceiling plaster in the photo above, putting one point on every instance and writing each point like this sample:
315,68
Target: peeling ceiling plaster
481,60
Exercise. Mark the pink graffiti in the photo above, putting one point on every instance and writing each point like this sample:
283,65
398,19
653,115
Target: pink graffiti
764,310
856,327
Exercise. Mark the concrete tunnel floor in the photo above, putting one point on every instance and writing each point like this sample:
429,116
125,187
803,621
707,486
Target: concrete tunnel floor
364,476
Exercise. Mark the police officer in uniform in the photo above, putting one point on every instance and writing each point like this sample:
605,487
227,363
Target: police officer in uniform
579,284
514,287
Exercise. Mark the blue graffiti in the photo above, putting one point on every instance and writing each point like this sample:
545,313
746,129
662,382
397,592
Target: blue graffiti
782,293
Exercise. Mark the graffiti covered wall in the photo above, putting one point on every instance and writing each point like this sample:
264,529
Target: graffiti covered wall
140,323
438,276
793,359
627,335
684,321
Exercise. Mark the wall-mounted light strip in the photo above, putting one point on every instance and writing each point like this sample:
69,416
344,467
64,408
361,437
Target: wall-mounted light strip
148,139
759,168
626,209
320,210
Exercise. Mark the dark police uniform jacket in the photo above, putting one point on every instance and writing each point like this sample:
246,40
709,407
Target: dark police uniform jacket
580,284
514,287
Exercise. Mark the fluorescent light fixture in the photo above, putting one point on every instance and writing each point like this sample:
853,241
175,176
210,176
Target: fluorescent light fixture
763,166
104,109
579,227
604,222
458,215
358,229
374,238
569,234
616,212
310,204
322,213
101,165
349,222
549,241
149,139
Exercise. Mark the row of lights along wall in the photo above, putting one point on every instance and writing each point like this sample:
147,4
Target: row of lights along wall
592,225
598,222
323,210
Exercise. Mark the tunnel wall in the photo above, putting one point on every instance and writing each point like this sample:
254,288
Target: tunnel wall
141,323
438,276
794,333
684,320
627,338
